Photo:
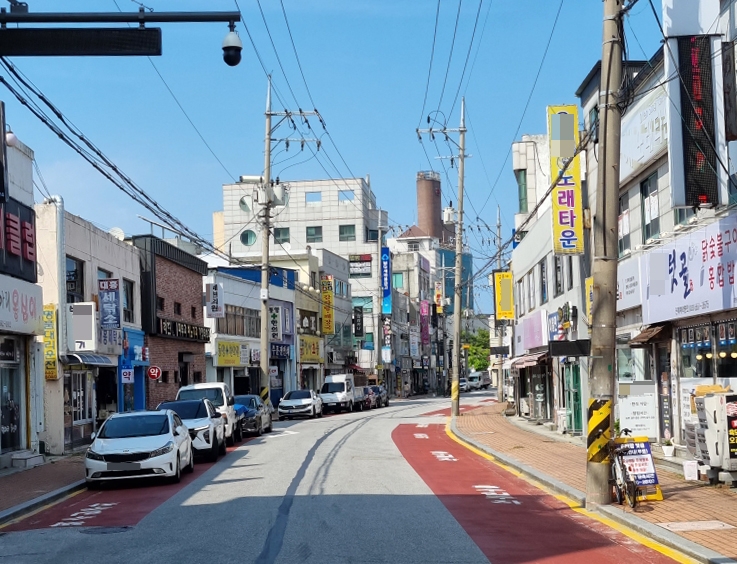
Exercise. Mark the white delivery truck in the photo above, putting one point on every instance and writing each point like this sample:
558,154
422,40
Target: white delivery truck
340,393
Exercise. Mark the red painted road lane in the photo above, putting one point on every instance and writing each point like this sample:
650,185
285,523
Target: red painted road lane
510,520
119,504
446,412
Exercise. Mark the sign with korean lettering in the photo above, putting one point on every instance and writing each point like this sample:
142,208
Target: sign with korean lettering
567,208
181,330
274,320
214,306
504,295
309,349
589,287
359,266
638,461
358,321
637,413
691,275
228,353
18,240
108,293
425,322
328,304
127,376
439,297
386,281
50,346
279,351
732,425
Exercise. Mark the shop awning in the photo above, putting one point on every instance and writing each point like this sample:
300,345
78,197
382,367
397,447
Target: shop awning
528,360
90,359
650,334
355,367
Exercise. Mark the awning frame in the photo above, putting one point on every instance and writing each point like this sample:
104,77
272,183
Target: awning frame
90,359
648,336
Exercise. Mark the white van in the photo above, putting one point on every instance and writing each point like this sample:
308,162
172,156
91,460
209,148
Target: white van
339,393
219,394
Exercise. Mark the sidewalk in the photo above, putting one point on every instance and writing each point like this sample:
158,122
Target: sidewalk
23,490
560,462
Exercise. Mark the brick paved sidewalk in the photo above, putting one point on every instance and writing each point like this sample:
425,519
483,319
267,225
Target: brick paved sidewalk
25,485
566,462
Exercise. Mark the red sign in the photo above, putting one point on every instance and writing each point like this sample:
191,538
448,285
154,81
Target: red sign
154,372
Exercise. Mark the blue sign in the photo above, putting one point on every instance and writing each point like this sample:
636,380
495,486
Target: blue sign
638,460
386,281
108,291
553,326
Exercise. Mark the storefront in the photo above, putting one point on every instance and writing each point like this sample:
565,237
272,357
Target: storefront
13,420
310,362
231,360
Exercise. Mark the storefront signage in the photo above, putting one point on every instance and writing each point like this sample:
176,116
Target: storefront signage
629,286
637,413
358,321
732,425
255,356
692,275
108,294
279,351
589,287
153,372
534,330
308,320
109,341
245,354
567,208
228,353
21,307
18,241
424,264
386,281
425,322
126,375
309,349
414,345
555,329
386,355
182,330
50,348
359,266
275,333
439,297
328,311
214,306
504,295
639,462
644,132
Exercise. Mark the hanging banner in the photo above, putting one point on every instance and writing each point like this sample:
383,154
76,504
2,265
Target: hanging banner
439,297
328,310
50,354
504,295
275,333
589,285
425,322
228,353
386,281
108,293
214,306
358,321
567,208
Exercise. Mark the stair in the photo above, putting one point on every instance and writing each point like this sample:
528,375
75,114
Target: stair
26,459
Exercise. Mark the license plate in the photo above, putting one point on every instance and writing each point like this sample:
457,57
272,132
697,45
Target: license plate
123,466
331,404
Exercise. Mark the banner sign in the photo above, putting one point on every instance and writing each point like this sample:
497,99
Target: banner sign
108,293
50,350
245,354
638,461
275,333
214,306
439,297
589,285
414,345
732,425
567,206
425,322
386,281
229,353
328,311
279,351
504,295
127,376
358,321
637,413
359,266
309,349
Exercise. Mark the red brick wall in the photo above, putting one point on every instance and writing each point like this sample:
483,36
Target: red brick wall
175,283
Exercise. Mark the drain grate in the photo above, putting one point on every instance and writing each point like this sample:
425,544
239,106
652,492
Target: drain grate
684,526
104,530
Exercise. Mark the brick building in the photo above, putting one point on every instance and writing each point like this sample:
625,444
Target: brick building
172,316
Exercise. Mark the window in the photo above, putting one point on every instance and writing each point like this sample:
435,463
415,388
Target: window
650,208
558,275
398,280
372,235
594,124
347,232
522,189
253,323
314,234
544,280
520,301
177,308
570,272
413,246
623,224
165,376
313,197
128,315
281,234
160,303
103,274
198,377
366,303
346,195
683,215
235,322
530,290
248,237
313,279
75,280
194,312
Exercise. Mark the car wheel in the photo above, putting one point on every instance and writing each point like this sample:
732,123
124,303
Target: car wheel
313,414
214,450
223,450
271,425
238,434
320,414
281,418
259,429
350,407
190,466
230,441
178,474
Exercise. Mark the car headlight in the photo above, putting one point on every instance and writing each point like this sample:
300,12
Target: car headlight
167,448
92,455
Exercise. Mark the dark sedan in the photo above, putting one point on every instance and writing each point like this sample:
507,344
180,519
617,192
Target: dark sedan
382,398
258,415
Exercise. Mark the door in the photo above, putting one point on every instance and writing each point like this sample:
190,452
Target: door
664,389
574,411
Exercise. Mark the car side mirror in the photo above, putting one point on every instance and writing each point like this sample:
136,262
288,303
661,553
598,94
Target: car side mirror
216,415
92,436
231,400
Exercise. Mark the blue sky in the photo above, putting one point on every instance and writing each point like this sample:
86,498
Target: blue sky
366,65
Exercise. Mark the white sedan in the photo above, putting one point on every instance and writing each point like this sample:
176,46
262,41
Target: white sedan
206,425
300,403
138,445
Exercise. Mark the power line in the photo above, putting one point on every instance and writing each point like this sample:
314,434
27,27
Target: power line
429,70
294,47
450,57
468,55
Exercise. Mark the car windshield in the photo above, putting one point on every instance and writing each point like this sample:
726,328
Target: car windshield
473,378
376,389
462,380
215,395
248,401
186,409
332,387
149,425
298,394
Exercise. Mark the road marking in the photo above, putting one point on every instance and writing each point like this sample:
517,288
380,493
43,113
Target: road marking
283,433
42,508
443,456
79,518
637,537
421,436
422,425
497,495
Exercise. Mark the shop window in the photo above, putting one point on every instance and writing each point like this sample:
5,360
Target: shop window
81,398
75,280
128,314
697,352
198,377
11,402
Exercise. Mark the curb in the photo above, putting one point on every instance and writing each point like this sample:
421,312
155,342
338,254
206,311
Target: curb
659,534
28,506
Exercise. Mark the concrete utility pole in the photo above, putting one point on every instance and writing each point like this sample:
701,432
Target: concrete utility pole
603,332
265,195
500,329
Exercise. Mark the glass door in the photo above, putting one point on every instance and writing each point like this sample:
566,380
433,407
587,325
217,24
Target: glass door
10,409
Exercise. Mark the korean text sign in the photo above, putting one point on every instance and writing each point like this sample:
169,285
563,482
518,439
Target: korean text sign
108,291
328,314
638,461
386,281
504,295
567,208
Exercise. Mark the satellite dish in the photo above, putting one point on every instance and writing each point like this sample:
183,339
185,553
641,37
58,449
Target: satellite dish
118,233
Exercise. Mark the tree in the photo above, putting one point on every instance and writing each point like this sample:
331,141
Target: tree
478,353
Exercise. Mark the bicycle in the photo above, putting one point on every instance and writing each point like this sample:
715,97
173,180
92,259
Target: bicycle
624,484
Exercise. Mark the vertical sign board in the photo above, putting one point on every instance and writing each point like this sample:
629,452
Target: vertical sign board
638,459
732,425
3,158
386,281
425,322
589,285
358,321
50,347
108,291
504,295
567,207
214,306
328,312
275,333
439,297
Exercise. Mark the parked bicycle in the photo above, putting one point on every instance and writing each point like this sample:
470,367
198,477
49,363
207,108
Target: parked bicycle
623,482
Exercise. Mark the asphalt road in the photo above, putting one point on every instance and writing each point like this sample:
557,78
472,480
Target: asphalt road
358,487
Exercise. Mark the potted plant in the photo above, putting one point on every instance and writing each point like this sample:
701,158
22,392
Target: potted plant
668,447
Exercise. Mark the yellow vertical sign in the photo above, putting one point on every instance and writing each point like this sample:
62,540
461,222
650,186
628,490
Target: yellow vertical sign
328,311
566,204
504,295
589,298
50,350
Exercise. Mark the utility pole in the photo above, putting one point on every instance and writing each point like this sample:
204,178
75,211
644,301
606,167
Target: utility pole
500,328
603,332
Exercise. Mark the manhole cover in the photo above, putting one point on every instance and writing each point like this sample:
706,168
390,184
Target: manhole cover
104,530
682,526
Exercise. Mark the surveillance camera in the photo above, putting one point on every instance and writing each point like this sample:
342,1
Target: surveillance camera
232,46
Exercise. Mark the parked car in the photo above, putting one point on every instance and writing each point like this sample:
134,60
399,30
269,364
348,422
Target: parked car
258,415
474,381
219,394
485,381
340,393
300,403
139,444
382,395
371,399
463,385
205,424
